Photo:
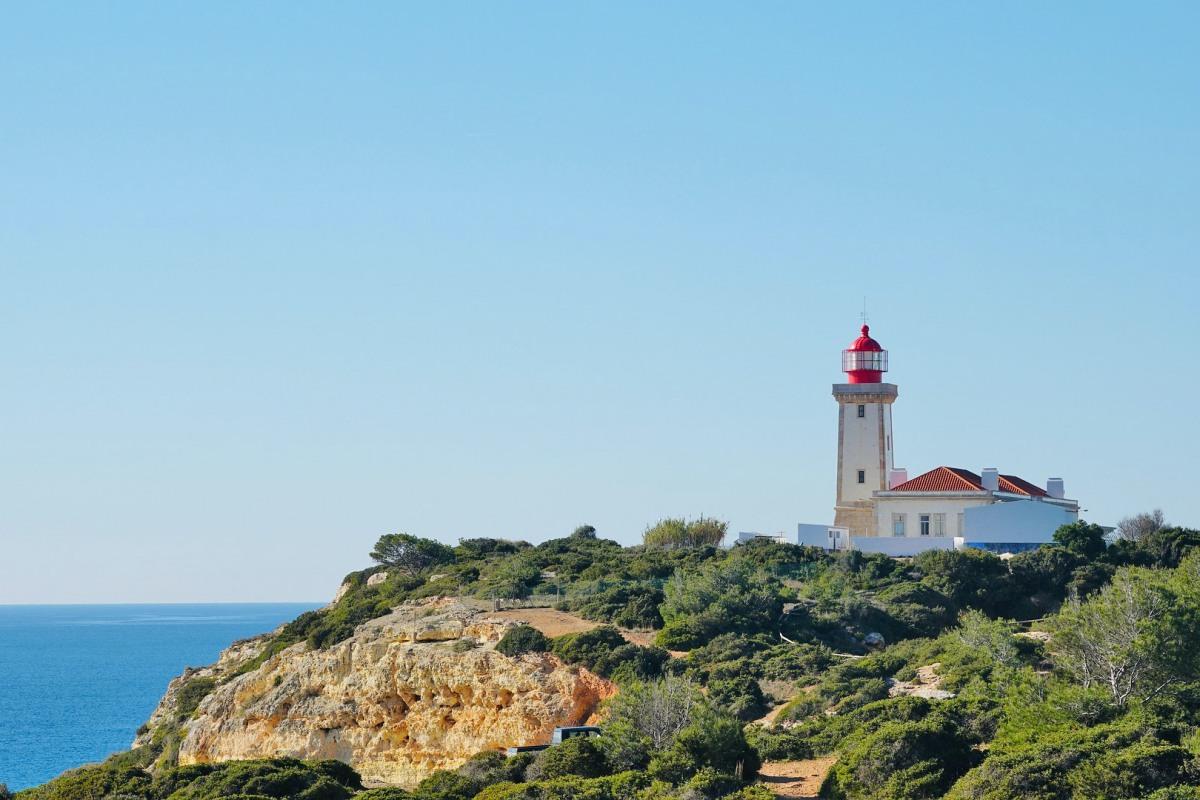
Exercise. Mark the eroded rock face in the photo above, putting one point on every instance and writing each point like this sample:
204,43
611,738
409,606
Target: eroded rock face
406,695
228,663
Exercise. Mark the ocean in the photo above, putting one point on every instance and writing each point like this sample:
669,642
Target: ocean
76,681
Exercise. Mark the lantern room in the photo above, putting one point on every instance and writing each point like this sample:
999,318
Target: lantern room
865,360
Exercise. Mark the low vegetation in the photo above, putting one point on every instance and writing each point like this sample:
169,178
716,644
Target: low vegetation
1071,672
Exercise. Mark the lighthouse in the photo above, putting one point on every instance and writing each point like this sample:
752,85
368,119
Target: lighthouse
864,434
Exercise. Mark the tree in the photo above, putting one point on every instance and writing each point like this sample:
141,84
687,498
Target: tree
645,718
1083,538
584,532
410,554
1133,639
676,534
1168,546
1139,526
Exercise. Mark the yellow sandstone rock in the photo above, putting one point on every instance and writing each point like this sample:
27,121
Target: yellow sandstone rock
397,700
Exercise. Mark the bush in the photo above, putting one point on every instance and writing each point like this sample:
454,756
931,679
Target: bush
578,755
916,609
523,639
716,599
276,778
443,785
605,652
739,694
708,784
969,578
671,534
1082,538
901,761
627,606
1132,772
192,693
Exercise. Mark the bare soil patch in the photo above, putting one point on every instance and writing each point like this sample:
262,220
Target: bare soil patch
927,684
547,620
796,779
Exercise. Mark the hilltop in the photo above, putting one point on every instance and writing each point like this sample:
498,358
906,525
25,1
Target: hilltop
1071,671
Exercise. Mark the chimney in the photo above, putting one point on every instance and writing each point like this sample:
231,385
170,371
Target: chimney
990,478
1054,488
896,477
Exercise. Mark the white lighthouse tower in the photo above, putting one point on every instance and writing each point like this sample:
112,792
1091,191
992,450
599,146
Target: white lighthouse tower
864,434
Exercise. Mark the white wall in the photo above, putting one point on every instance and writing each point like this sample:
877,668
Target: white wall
1016,521
862,440
825,536
901,546
917,505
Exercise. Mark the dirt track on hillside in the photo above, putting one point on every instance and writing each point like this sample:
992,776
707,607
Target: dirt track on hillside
796,779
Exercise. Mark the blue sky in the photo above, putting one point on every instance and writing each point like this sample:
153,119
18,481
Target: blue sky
281,277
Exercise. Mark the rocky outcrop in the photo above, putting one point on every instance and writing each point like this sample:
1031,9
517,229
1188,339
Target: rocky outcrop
232,659
418,690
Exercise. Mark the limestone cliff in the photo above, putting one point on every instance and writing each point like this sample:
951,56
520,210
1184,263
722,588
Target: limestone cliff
418,690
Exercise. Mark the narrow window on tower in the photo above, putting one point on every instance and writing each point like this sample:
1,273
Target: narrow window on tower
862,411
862,476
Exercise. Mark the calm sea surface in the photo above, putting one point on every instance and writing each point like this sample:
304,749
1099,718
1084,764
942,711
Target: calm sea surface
77,681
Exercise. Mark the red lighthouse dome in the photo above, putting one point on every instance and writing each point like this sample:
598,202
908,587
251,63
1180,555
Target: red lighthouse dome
865,360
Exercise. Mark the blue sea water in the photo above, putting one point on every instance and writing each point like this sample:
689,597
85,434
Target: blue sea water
77,681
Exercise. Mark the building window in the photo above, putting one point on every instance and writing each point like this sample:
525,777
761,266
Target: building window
862,411
898,525
862,476
933,524
962,524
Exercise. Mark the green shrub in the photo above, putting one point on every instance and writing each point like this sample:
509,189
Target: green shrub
708,784
192,693
901,761
739,694
604,651
670,534
523,639
443,785
578,756
1132,772
627,606
387,793
969,578
716,599
276,778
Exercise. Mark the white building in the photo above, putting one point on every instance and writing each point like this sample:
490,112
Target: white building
997,512
878,508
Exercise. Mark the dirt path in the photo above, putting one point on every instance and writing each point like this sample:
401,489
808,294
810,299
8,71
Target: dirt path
796,779
768,719
547,620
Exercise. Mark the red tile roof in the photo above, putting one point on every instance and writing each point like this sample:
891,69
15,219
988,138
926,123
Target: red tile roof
957,479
